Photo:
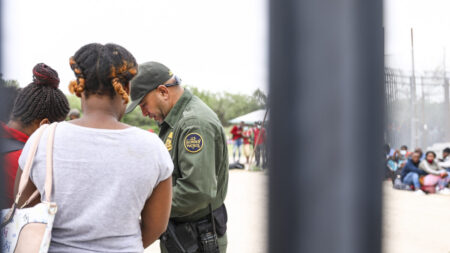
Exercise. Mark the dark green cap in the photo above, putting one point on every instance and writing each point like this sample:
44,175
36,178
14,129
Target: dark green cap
150,76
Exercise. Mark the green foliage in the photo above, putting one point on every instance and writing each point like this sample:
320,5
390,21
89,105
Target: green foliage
9,89
74,102
10,83
228,106
133,118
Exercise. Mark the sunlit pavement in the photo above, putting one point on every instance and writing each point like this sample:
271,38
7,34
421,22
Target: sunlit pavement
415,224
247,213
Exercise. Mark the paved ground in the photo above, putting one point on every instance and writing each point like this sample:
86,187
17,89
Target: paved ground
247,216
415,224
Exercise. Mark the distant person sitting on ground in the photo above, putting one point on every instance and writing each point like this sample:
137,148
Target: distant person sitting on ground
236,133
445,161
411,172
40,102
420,151
74,114
403,156
388,151
437,176
393,162
445,155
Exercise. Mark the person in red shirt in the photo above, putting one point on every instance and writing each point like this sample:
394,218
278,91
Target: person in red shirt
259,135
38,103
236,132
247,135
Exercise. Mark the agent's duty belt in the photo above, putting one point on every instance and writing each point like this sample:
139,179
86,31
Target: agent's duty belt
197,236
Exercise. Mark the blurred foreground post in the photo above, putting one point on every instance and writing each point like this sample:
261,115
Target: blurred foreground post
2,99
326,126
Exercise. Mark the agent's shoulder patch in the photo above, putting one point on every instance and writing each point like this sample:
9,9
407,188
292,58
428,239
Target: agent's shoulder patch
193,142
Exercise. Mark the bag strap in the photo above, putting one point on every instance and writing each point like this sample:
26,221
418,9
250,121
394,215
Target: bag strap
24,179
49,163
26,170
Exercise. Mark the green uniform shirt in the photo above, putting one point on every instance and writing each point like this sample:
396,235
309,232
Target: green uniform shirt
197,144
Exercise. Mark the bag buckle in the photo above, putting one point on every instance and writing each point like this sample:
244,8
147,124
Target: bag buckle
52,208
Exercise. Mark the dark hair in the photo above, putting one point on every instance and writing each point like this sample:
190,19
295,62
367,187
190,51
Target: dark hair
41,99
430,152
404,146
446,150
102,69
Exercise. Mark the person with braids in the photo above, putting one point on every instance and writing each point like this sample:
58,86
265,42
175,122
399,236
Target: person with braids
38,103
112,182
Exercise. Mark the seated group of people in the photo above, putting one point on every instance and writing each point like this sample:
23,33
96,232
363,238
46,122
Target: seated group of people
421,172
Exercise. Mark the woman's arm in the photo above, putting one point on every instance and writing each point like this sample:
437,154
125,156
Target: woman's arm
425,166
29,189
156,212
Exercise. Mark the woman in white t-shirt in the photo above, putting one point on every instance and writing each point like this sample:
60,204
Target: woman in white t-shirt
112,182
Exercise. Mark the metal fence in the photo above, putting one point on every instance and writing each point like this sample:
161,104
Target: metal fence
417,108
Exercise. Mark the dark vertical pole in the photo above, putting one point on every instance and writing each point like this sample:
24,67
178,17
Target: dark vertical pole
2,99
424,125
413,95
446,101
326,126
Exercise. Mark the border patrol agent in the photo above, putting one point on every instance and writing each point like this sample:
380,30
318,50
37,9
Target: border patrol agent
197,144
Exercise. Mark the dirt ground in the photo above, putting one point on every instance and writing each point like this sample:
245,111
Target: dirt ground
247,213
415,223
411,223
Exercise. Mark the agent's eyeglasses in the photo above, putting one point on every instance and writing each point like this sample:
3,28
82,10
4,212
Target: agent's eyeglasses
177,82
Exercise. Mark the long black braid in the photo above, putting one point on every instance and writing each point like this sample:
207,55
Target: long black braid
41,99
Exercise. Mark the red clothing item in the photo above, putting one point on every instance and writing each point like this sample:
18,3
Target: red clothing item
236,131
247,135
11,160
262,138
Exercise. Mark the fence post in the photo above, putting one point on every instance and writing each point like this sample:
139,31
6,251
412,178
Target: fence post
326,126
413,112
446,108
423,126
2,171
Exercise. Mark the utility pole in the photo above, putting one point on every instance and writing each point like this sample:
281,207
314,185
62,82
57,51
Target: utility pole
413,96
424,127
446,100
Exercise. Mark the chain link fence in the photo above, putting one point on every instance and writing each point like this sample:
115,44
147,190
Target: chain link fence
417,108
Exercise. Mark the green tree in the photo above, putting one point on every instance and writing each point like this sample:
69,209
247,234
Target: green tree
228,105
9,89
225,104
133,118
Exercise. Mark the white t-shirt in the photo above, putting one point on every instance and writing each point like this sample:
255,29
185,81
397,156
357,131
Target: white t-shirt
101,181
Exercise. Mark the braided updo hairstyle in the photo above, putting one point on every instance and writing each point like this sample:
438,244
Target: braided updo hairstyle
102,70
41,99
